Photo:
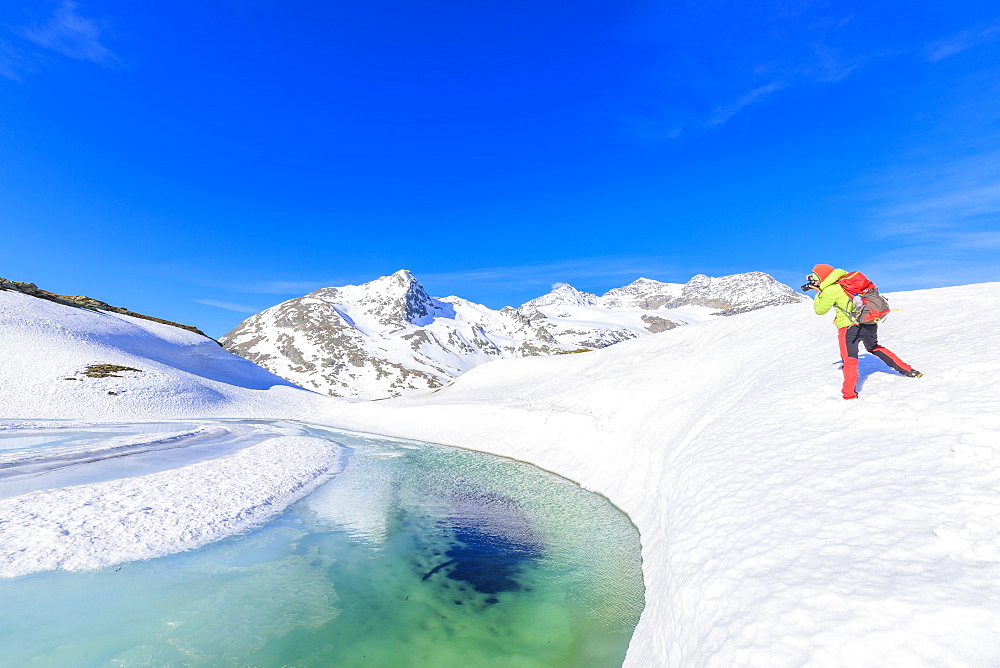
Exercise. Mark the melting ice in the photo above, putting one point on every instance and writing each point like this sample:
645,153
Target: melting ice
231,542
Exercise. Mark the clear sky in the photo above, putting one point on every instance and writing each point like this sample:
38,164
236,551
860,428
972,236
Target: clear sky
200,161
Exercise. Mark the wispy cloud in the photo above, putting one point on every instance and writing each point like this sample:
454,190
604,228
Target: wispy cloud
258,287
818,63
925,213
71,34
280,287
32,48
253,283
930,202
540,277
939,224
716,60
14,62
227,305
533,279
724,113
731,58
967,39
919,267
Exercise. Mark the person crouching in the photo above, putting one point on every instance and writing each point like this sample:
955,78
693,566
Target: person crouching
824,280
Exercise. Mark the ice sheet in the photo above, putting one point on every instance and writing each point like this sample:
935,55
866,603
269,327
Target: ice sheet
184,507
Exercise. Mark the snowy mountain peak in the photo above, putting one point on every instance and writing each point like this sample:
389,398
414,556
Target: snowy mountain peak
389,303
643,283
389,337
403,276
729,294
737,293
561,294
643,293
402,280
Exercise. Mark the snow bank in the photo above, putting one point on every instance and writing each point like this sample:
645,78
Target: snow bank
96,525
181,373
780,524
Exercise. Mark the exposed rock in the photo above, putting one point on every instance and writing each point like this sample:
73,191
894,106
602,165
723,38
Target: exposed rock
81,301
729,295
389,337
106,370
656,324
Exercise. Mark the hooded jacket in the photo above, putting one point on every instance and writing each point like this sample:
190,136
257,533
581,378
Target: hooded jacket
832,295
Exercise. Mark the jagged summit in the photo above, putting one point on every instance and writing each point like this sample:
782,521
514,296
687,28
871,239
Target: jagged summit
639,284
388,336
562,294
737,293
387,304
643,293
729,294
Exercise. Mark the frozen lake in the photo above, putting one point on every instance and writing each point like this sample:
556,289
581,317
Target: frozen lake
390,553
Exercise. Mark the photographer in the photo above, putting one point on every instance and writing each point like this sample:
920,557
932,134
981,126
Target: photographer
830,294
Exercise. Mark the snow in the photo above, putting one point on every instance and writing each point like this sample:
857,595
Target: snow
182,373
100,524
141,495
389,337
780,525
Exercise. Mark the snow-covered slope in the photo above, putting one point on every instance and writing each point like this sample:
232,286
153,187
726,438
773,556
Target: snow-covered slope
389,337
48,346
781,525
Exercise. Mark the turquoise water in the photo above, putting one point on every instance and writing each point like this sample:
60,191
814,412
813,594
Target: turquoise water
414,555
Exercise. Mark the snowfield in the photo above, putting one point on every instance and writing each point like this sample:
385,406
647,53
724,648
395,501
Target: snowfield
780,524
181,374
181,490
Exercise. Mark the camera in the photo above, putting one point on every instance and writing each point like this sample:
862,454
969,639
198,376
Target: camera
812,283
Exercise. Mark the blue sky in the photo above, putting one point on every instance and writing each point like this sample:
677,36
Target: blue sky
203,161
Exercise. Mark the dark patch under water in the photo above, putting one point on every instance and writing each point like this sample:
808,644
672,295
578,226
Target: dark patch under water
494,540
490,563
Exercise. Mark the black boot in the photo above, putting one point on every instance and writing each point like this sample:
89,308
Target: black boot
912,373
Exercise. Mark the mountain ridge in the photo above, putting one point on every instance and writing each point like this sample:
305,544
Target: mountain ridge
389,337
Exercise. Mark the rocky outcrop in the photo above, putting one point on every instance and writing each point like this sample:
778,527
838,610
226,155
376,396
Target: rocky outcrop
81,301
655,324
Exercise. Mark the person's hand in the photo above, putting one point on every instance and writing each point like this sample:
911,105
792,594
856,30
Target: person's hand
809,286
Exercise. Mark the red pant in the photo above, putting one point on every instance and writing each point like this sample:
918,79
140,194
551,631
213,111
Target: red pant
850,338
